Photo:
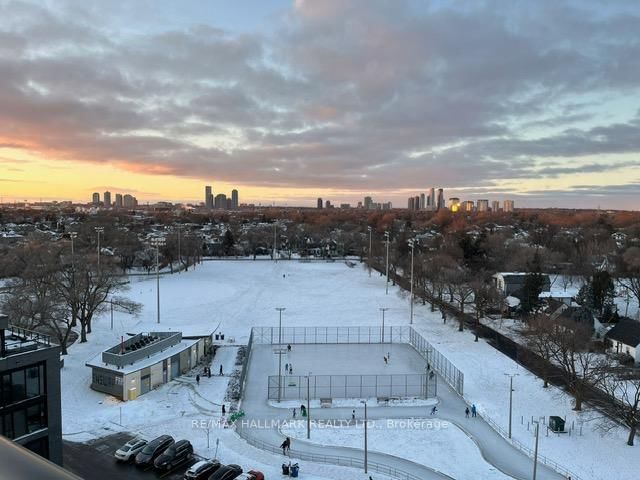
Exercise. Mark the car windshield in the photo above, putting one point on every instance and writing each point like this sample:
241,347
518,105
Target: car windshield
149,448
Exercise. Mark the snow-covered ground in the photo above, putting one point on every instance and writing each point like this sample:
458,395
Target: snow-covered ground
440,442
235,296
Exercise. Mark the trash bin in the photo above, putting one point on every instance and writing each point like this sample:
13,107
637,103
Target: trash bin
556,424
294,470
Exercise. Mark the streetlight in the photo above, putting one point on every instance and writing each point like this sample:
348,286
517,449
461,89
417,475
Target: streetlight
386,236
99,230
535,451
412,244
73,236
365,435
369,252
308,407
275,232
511,375
383,309
280,310
158,242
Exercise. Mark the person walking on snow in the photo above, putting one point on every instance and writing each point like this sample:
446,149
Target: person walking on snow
434,410
353,415
198,379
290,369
286,367
224,410
294,413
220,370
474,412
385,360
466,412
288,347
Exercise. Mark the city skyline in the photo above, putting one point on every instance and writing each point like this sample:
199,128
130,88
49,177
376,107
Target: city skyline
287,101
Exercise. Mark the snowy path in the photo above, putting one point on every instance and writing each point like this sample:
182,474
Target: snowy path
493,447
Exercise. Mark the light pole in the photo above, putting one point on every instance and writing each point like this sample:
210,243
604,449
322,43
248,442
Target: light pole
73,236
365,435
535,450
280,310
386,237
412,244
308,407
369,252
511,375
158,242
383,309
99,230
275,233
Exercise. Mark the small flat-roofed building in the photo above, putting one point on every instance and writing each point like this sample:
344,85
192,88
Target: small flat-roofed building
143,362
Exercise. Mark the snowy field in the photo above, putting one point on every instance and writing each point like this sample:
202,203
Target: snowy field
232,297
443,446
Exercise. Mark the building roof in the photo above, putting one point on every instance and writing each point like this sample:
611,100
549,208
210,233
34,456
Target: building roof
626,331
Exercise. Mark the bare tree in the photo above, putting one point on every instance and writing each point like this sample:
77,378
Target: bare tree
630,274
622,385
485,295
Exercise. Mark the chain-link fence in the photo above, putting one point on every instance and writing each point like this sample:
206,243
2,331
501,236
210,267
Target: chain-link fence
325,335
353,386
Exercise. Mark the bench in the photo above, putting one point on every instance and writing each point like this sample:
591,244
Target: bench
325,403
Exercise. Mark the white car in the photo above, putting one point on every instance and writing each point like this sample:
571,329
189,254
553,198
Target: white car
128,452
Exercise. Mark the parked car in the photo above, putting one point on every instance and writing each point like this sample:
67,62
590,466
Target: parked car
128,452
153,450
201,470
174,455
251,475
227,472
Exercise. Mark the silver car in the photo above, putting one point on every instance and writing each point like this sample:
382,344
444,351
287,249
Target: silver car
128,452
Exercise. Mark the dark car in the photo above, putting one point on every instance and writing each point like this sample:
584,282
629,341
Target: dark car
201,470
174,455
227,472
153,449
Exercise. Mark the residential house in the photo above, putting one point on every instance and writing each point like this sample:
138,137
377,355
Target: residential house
625,338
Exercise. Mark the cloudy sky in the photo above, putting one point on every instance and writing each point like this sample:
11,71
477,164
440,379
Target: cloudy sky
289,100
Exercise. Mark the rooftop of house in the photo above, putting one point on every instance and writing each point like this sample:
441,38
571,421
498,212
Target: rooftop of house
626,331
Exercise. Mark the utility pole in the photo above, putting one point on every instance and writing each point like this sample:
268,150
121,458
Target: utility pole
99,230
158,242
383,309
280,310
511,375
308,407
369,252
111,302
412,244
275,232
386,236
535,451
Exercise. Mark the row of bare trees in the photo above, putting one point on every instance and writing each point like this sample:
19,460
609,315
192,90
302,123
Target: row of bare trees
54,291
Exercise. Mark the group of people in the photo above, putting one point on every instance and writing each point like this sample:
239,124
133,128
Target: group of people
288,368
303,411
207,372
473,411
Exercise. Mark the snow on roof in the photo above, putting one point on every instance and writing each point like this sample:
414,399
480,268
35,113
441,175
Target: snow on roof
147,362
189,330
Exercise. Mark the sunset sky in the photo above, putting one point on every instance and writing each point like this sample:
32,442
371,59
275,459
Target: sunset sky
535,100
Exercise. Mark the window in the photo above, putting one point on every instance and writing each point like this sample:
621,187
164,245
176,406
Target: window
19,423
36,417
7,425
5,385
33,381
18,386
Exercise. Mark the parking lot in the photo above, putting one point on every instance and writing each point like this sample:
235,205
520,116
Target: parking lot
94,460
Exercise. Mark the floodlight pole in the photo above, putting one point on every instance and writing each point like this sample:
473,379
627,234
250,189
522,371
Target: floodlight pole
535,451
511,375
383,309
412,244
99,230
280,310
369,252
366,450
308,407
157,242
386,236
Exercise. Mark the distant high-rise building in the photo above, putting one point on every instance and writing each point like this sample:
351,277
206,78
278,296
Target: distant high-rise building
319,202
234,199
345,205
107,199
483,205
467,206
411,203
495,206
229,204
129,201
422,201
454,204
440,202
327,204
208,196
368,203
508,206
118,200
220,201
95,199
432,199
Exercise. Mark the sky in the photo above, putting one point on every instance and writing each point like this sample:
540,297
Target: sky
287,101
